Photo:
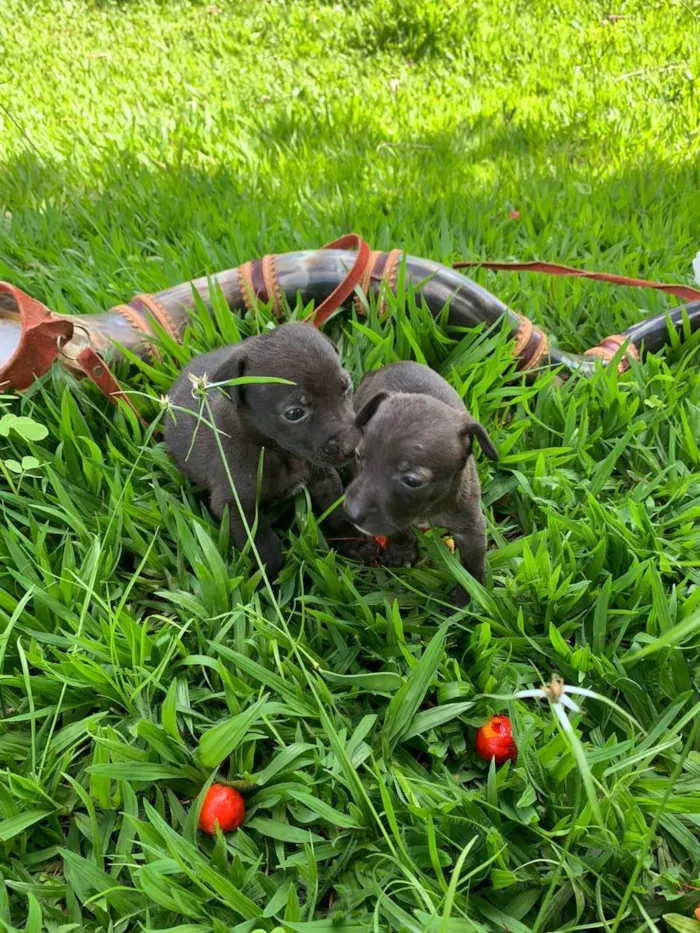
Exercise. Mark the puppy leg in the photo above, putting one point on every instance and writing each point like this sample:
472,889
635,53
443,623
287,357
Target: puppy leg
472,552
266,541
468,529
325,488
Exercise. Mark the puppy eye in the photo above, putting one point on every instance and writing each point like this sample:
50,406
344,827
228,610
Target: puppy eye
294,414
412,480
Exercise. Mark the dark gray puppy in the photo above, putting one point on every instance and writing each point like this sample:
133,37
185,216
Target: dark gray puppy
415,464
305,429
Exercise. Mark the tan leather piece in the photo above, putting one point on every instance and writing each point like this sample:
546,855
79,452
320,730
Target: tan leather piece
391,269
366,280
531,344
95,368
140,323
159,312
390,274
610,346
43,334
245,281
272,285
344,290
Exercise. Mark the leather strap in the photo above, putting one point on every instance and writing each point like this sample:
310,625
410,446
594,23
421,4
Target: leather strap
272,285
366,279
95,368
245,283
41,337
258,281
387,270
531,344
685,292
609,346
147,304
140,323
134,317
43,334
391,267
341,294
381,267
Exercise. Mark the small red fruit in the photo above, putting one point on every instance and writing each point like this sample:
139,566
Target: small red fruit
382,543
222,805
697,913
495,740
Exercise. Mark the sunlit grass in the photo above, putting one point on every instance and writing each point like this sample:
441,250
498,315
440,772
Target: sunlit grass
144,144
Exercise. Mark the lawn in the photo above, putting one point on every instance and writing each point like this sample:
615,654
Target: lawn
143,144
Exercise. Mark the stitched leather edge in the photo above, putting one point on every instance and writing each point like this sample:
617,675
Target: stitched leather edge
272,285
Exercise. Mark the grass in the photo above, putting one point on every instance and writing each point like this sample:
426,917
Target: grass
146,143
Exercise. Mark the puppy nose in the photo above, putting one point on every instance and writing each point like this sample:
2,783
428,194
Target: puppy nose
348,441
342,445
348,445
354,511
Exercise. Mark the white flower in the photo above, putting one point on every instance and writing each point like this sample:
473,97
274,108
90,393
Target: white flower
199,384
556,692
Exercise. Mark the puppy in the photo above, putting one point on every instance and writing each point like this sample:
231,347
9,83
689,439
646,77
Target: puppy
415,464
305,429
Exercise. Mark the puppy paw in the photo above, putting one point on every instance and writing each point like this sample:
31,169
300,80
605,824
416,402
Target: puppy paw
459,597
398,554
271,555
363,550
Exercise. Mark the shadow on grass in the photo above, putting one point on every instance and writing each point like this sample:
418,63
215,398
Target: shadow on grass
86,242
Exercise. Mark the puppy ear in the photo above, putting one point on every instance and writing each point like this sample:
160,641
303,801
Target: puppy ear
473,429
368,411
233,369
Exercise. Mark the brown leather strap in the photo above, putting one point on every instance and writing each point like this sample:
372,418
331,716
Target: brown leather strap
134,317
95,368
610,346
531,344
341,294
258,281
366,280
381,267
391,267
685,292
148,304
40,340
272,285
141,324
386,269
245,283
43,335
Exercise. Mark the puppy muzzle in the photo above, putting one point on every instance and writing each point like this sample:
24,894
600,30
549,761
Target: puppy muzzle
340,448
366,518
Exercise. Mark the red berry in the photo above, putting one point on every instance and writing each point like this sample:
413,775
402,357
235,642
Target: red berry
382,543
222,805
495,740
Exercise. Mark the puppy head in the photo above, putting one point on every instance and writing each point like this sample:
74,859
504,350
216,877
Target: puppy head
410,461
312,419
